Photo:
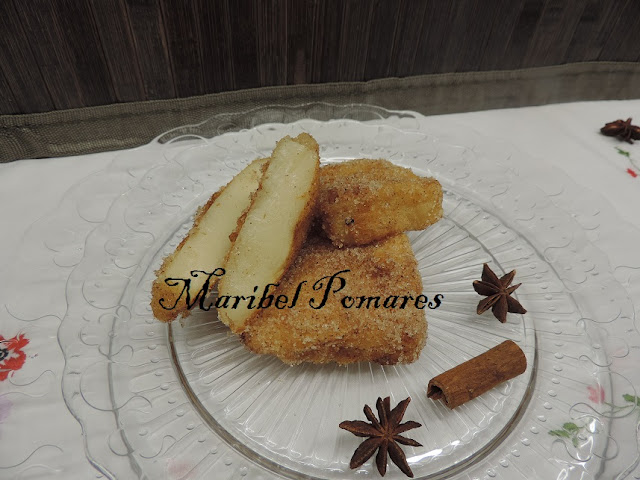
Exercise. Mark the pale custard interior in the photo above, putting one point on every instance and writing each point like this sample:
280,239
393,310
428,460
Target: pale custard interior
262,249
208,243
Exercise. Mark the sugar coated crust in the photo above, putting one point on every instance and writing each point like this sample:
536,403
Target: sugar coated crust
363,201
334,333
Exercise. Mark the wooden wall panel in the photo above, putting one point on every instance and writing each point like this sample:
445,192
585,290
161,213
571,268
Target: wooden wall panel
57,54
8,102
522,34
354,39
594,28
244,43
112,21
407,35
147,27
300,38
502,28
271,30
384,20
326,41
434,40
51,50
181,27
24,82
623,44
464,52
216,51
78,31
553,34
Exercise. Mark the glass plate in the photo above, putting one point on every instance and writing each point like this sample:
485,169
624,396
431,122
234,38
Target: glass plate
188,401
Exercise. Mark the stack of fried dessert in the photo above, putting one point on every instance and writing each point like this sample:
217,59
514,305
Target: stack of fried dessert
288,222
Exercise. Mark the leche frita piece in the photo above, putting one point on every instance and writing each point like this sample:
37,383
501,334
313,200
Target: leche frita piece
335,333
275,226
206,245
362,201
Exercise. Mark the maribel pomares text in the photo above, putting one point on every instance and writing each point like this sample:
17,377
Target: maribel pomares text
325,287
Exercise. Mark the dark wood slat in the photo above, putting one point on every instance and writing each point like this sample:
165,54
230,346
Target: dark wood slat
326,44
468,34
271,26
215,36
74,53
8,104
52,53
407,35
522,34
553,34
463,34
354,39
112,22
183,40
145,19
624,42
384,20
436,29
242,15
499,37
79,32
594,28
300,28
21,71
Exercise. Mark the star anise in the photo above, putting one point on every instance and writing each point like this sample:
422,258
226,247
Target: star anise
384,436
498,293
622,129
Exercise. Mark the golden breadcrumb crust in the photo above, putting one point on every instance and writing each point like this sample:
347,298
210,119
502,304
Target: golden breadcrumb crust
362,201
161,290
335,333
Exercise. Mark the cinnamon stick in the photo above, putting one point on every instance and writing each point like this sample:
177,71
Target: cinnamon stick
478,375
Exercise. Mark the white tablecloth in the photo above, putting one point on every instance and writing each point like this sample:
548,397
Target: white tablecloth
39,438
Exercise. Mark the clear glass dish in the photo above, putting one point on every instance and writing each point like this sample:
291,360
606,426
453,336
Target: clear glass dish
188,401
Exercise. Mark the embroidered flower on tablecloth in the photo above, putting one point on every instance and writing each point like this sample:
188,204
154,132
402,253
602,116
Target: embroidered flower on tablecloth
596,394
11,355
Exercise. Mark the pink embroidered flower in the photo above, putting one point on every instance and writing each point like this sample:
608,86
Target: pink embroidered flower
11,355
596,394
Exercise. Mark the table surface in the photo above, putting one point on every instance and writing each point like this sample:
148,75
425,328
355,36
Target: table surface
565,136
